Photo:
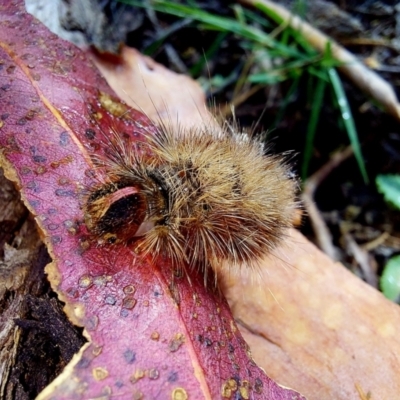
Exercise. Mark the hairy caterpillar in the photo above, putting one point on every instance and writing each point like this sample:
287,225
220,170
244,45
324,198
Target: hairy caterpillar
196,196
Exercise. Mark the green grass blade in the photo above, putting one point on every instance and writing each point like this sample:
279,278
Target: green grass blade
218,23
260,20
348,120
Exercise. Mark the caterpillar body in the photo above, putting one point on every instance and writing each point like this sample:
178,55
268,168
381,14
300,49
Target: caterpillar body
198,197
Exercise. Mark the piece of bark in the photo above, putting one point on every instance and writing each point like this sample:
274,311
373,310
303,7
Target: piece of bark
12,212
310,323
34,345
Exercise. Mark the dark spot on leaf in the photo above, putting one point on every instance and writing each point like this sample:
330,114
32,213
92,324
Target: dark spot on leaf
258,386
25,171
4,116
124,313
34,203
65,193
52,227
231,349
64,138
36,77
10,69
129,356
52,211
172,377
119,384
6,87
22,121
207,342
36,158
90,134
56,239
39,159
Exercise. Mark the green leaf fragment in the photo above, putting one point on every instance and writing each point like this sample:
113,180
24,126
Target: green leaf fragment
389,186
390,279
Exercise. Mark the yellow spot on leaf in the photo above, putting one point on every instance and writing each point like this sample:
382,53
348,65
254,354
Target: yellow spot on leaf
179,394
138,374
176,342
99,373
228,388
245,390
113,106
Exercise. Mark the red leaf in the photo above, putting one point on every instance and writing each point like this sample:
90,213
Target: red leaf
147,336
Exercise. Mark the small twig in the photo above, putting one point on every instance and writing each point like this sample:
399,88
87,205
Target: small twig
373,244
370,82
363,259
227,109
323,236
369,42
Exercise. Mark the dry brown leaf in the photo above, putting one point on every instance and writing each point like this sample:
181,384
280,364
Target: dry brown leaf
160,93
310,323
